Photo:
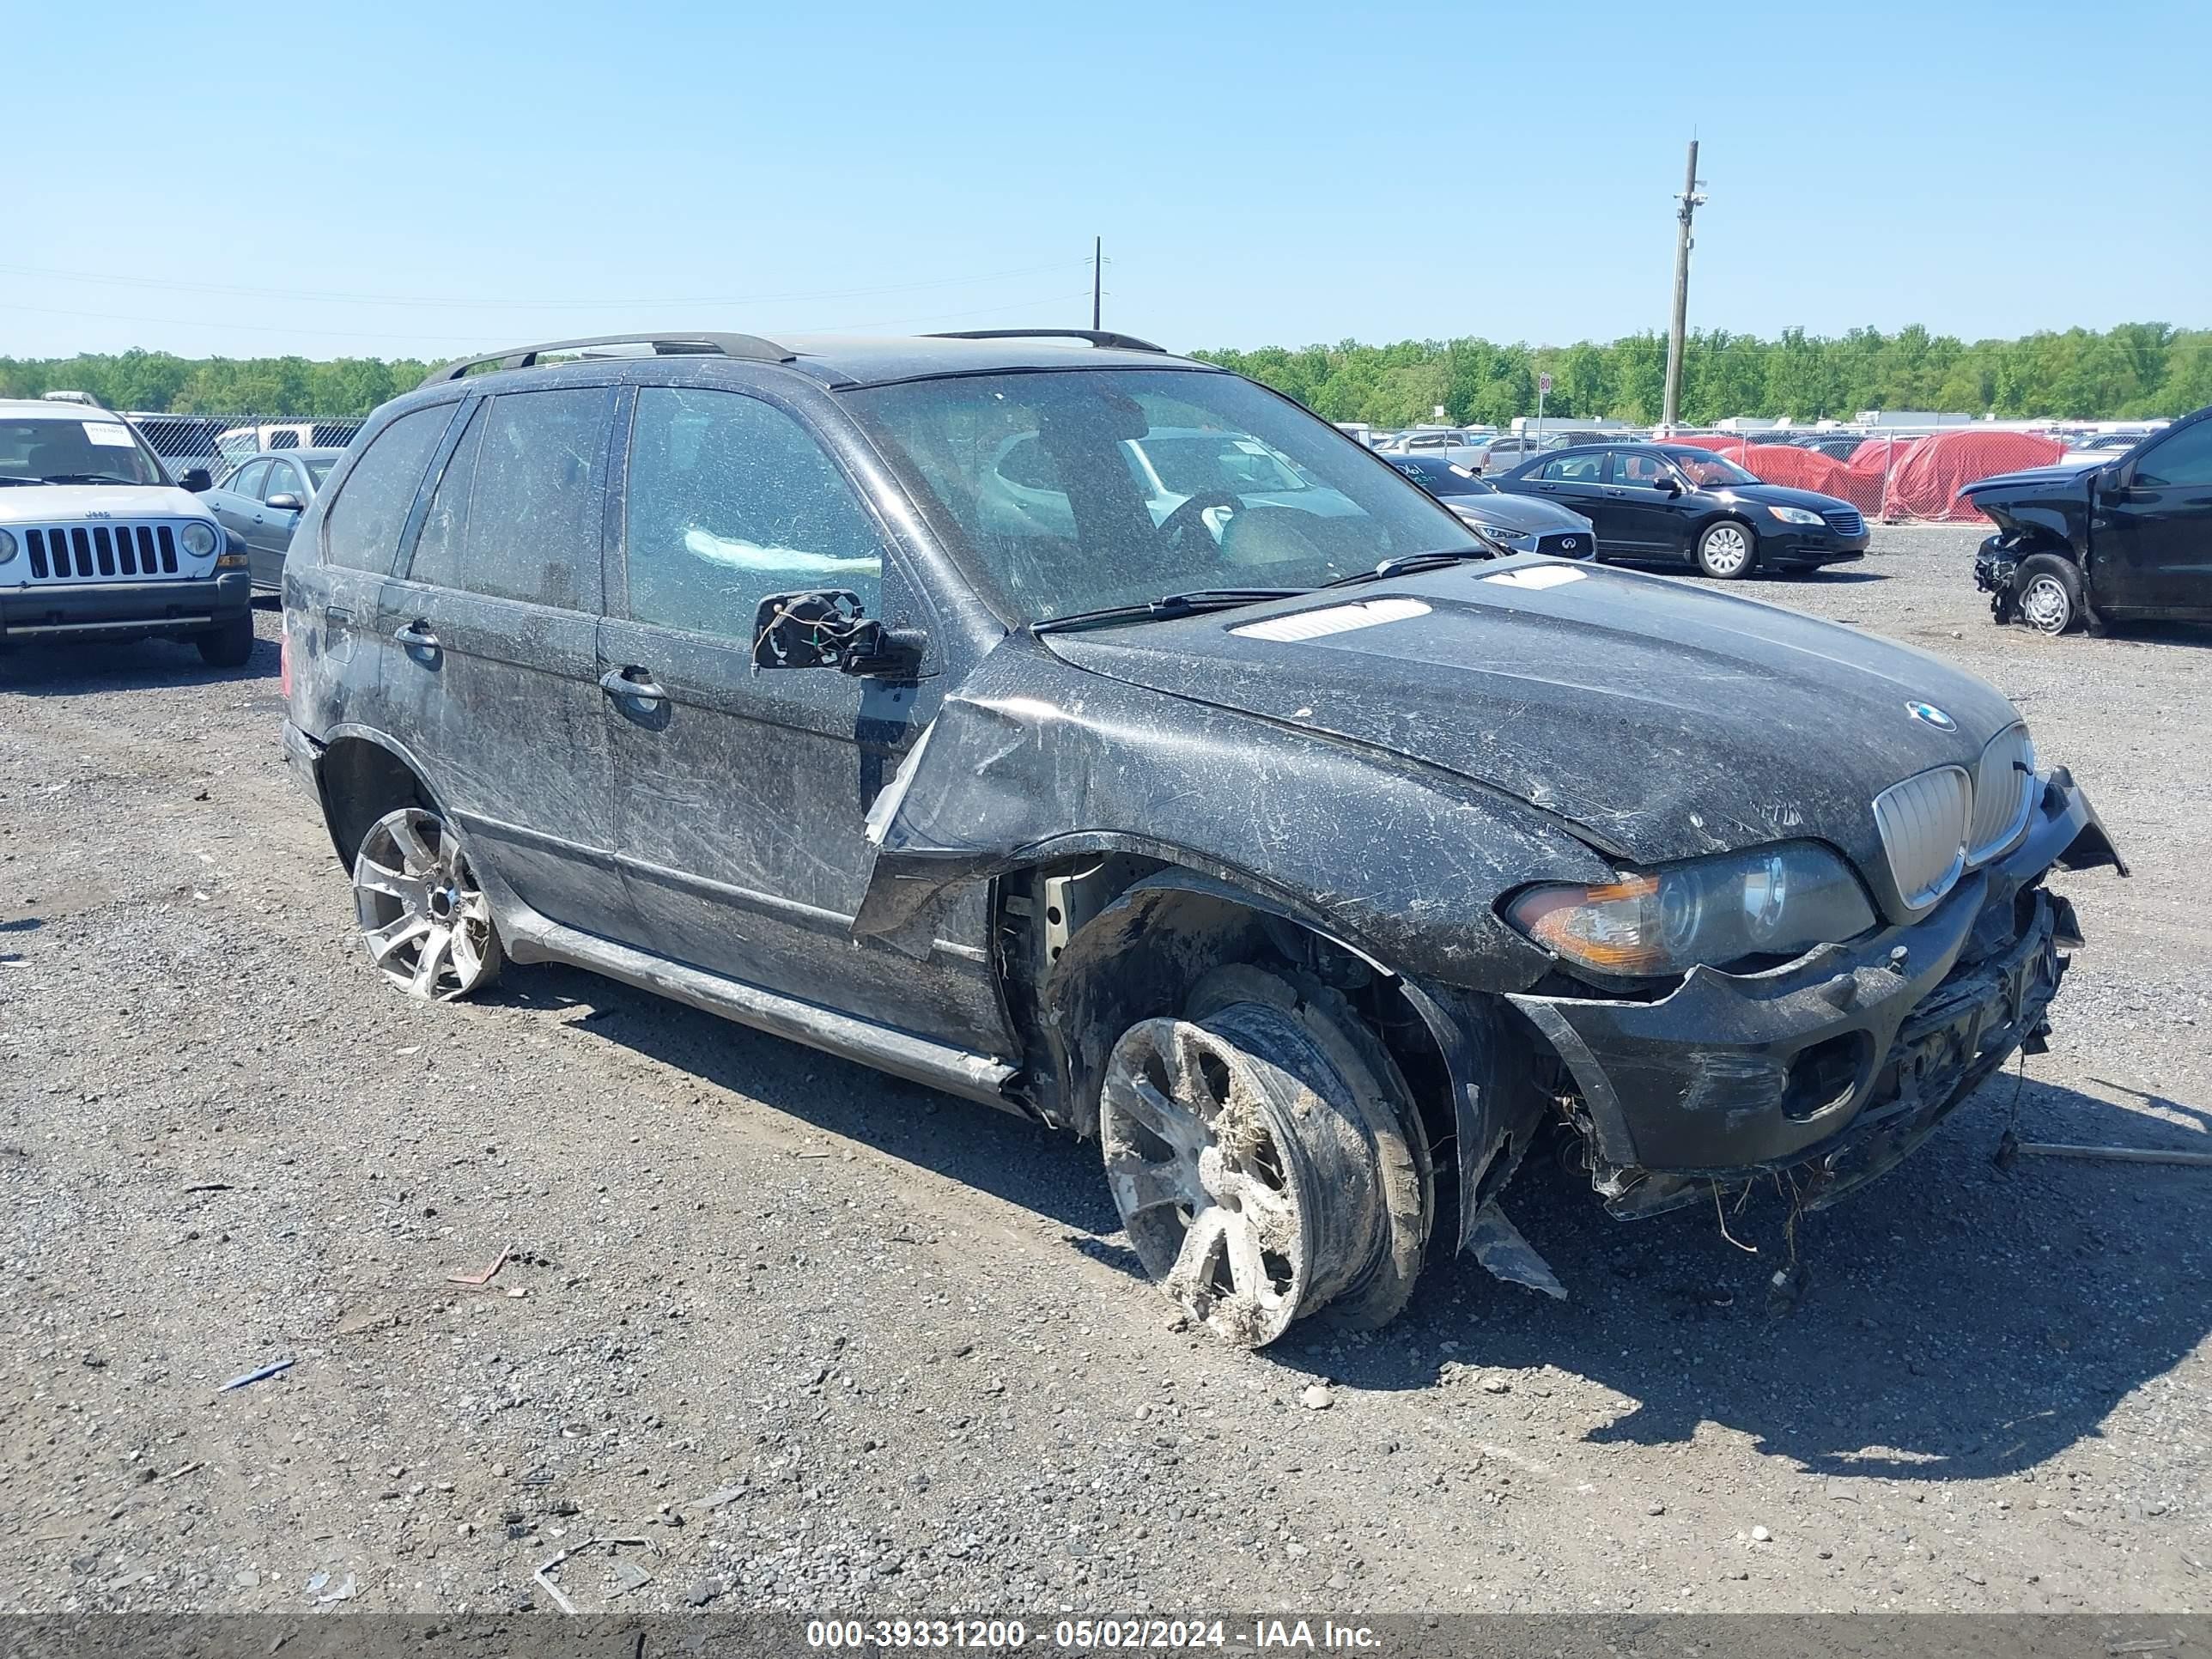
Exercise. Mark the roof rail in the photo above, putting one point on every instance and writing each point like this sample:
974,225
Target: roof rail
1096,336
751,347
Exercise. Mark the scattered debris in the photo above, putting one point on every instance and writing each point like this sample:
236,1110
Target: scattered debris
1316,1397
345,1592
1492,1382
316,1580
721,1495
1785,1290
261,1376
486,1276
2115,1154
177,1472
1761,1536
208,1186
812,1154
560,1600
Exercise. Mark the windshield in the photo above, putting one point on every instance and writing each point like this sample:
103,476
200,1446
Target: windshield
1032,473
1708,471
73,451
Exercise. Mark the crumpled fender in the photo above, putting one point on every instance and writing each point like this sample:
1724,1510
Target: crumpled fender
1031,758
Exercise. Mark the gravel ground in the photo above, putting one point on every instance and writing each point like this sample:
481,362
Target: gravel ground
826,1341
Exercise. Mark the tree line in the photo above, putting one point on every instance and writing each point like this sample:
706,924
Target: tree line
2135,369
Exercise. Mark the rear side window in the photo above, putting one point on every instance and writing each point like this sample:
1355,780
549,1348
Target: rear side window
362,528
1573,469
516,514
730,499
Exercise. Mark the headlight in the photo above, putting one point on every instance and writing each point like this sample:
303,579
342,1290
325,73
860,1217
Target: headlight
1796,515
198,537
6,546
1496,534
1773,902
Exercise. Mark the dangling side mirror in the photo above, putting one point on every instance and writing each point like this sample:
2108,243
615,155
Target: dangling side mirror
824,628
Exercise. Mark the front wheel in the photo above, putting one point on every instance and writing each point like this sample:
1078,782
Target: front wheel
1266,1159
1726,551
2047,594
227,644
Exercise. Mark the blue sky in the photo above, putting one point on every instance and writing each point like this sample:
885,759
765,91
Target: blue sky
398,180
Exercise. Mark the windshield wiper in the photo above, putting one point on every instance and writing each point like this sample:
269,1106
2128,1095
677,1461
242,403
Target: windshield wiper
1167,607
79,478
1406,563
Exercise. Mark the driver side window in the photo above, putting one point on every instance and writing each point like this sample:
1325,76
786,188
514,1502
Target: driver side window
728,501
2183,458
1644,471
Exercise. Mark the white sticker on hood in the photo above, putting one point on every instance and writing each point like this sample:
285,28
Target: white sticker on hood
109,434
1336,619
1538,576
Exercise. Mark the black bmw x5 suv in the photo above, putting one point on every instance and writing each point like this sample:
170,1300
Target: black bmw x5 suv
1267,830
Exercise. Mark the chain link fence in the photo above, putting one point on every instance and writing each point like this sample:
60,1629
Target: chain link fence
221,442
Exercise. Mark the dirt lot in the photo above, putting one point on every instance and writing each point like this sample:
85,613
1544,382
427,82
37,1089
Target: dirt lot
828,1341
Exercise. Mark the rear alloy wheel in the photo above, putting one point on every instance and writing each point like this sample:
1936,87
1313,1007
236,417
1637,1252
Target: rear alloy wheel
1726,551
2048,594
425,920
1266,1159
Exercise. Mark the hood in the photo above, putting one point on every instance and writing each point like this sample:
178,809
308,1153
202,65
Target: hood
1523,515
1767,495
63,503
1662,720
2034,479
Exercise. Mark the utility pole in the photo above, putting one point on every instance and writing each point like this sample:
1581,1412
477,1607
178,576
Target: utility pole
1097,269
1690,201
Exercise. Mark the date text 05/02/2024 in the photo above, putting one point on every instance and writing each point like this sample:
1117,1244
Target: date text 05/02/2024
1090,1635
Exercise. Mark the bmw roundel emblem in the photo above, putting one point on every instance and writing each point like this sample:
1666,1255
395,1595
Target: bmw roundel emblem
1929,715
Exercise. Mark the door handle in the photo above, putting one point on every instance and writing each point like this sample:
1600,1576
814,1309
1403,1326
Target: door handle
1614,492
634,682
416,636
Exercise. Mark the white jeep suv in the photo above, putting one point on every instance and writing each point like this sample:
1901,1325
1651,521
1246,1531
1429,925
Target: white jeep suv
97,542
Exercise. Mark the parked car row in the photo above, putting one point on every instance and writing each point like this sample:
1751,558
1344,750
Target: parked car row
1095,734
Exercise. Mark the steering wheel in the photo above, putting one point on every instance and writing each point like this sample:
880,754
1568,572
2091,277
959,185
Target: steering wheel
1177,524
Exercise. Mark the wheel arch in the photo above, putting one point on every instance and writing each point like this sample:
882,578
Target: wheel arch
1142,954
362,775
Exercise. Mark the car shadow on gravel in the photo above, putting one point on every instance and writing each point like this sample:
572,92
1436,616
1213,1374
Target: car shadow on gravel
69,670
1022,1162
1952,1321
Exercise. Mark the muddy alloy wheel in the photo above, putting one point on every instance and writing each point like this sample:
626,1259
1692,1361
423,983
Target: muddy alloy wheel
1253,1182
426,924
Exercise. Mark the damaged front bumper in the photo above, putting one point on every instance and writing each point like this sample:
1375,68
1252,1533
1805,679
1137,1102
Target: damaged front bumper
1837,1064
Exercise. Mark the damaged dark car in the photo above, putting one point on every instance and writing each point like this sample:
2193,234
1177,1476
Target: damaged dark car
2093,545
1254,822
